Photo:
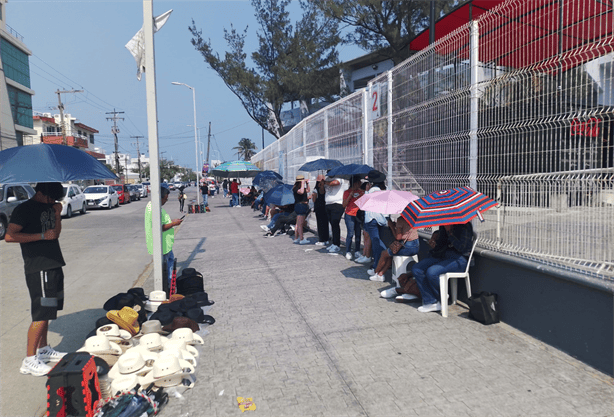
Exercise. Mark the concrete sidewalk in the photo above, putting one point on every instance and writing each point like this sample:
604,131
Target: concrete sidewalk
303,332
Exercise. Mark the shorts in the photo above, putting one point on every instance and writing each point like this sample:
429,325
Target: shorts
301,209
46,293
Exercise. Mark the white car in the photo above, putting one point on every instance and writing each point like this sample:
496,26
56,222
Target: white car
101,196
142,190
73,200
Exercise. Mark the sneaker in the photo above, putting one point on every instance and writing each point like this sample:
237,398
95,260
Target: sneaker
304,242
269,234
406,297
334,249
357,254
430,307
296,240
377,278
264,227
47,354
389,293
363,260
34,366
371,271
321,243
348,256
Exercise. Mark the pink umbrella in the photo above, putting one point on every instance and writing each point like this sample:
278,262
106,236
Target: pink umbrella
245,191
386,202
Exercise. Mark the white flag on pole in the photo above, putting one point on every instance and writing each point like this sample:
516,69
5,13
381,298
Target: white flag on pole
136,45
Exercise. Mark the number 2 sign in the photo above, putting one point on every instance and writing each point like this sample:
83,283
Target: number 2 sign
374,102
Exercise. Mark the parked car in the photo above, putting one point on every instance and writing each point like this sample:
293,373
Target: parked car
142,189
124,197
147,184
12,195
134,193
101,196
73,200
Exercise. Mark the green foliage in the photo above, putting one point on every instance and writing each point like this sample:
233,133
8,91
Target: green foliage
293,62
385,26
246,149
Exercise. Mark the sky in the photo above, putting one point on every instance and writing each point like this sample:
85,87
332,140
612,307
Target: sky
79,45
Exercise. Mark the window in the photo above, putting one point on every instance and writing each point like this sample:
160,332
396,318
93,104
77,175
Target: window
91,138
15,63
21,106
20,193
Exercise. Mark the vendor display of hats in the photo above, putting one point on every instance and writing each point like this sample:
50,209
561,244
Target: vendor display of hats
169,371
126,318
103,348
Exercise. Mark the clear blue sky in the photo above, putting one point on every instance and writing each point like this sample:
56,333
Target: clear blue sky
80,45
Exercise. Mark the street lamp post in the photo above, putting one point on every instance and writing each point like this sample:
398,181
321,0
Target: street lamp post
195,140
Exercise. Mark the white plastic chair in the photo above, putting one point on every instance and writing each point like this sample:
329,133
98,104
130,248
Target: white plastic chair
444,278
399,266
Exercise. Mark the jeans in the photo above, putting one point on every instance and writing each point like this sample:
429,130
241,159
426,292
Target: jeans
428,270
354,229
410,248
273,220
334,213
206,200
181,203
169,258
225,193
235,200
377,246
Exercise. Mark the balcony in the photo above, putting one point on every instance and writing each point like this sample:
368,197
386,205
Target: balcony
55,138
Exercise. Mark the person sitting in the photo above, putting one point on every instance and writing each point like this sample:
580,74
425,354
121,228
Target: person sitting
279,211
283,221
450,254
406,237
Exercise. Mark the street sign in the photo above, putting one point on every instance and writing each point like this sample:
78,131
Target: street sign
374,102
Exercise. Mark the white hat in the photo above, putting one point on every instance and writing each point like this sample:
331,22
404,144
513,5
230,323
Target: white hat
153,341
169,371
181,345
113,332
100,345
124,383
133,362
180,354
155,299
188,336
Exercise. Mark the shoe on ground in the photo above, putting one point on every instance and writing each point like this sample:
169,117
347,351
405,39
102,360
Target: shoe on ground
320,243
34,366
348,256
430,307
269,234
47,354
296,240
389,293
304,242
334,249
371,271
363,260
264,227
357,254
406,297
377,278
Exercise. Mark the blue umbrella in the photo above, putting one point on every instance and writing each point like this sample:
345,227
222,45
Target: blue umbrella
236,169
50,163
266,176
320,165
349,170
280,195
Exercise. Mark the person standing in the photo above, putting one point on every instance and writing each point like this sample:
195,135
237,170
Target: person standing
301,207
234,191
334,208
373,221
181,199
204,189
36,226
319,207
168,235
352,224
225,187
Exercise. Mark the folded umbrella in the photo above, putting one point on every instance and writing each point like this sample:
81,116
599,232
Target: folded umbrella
349,170
280,195
321,164
386,202
50,163
456,206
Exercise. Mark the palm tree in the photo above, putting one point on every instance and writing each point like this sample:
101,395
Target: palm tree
246,149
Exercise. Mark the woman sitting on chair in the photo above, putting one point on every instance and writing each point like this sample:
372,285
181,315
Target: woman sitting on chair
407,241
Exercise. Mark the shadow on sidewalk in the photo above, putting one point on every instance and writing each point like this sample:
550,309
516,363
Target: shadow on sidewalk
74,327
198,249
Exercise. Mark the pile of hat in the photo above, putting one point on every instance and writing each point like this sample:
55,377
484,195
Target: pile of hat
134,350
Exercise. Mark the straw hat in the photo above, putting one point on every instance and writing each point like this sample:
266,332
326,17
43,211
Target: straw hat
103,348
169,371
134,362
126,318
155,299
113,332
188,336
153,342
300,177
124,383
181,345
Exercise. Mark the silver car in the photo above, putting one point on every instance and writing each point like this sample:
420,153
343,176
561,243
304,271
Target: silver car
142,189
12,195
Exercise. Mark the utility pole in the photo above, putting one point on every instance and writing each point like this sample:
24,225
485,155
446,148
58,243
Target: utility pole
61,107
126,165
138,151
208,143
115,131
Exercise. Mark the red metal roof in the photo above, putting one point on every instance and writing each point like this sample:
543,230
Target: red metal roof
86,127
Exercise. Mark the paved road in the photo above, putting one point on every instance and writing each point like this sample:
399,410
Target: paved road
105,254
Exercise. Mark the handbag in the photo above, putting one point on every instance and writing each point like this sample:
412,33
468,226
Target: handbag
396,246
484,308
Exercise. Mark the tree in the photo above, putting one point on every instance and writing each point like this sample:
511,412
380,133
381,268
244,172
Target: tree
246,149
385,26
293,62
168,170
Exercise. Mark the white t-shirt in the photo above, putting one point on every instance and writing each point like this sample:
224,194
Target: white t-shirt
334,193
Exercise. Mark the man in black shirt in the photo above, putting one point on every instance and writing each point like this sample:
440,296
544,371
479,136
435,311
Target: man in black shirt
204,189
36,226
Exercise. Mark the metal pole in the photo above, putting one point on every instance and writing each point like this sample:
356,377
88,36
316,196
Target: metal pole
390,142
152,128
196,147
473,127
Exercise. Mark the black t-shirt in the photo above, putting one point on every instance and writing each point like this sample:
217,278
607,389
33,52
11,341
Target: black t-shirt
204,189
35,217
